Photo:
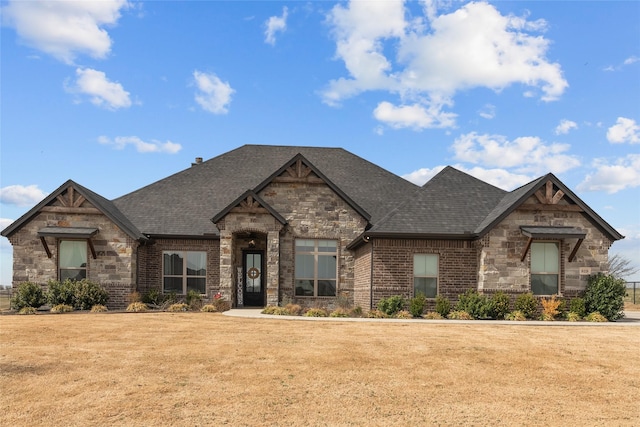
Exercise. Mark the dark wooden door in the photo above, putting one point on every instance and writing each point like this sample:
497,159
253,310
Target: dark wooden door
253,279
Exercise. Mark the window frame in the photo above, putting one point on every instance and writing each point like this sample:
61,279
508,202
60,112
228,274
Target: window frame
533,273
84,269
184,276
316,253
437,275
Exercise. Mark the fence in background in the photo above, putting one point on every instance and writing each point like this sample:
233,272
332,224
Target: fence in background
633,292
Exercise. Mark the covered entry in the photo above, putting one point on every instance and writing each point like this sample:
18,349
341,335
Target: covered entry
252,271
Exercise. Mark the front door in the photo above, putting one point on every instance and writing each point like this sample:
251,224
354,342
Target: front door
253,283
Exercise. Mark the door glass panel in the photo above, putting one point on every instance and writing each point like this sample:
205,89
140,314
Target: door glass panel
253,277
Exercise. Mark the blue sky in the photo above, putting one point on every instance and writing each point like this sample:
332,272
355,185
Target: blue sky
116,95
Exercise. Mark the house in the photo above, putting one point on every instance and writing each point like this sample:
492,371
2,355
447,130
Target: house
266,224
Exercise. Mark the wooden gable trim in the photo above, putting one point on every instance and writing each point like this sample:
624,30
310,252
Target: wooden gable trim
299,171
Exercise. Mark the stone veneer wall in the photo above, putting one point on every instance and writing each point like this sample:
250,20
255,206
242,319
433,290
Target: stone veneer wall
501,250
114,267
393,267
150,274
314,211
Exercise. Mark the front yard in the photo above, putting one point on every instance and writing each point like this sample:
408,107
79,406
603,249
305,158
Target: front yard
209,369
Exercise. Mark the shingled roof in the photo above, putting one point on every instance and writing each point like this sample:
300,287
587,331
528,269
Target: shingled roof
184,203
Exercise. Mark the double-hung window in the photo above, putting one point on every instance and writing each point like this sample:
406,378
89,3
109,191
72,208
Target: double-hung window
184,271
316,268
545,268
425,275
72,260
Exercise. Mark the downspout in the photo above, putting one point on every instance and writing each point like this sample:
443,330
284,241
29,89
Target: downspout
366,239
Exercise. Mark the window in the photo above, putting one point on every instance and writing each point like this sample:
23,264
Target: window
316,268
180,276
425,275
545,268
72,260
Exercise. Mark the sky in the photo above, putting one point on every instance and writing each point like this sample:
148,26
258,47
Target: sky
118,94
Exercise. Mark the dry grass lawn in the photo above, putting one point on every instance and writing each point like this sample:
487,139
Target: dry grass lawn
198,369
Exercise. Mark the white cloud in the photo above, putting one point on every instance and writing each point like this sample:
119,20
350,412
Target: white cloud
5,222
565,126
101,91
488,111
275,24
414,116
630,60
475,46
120,142
213,94
625,130
64,29
524,154
501,178
21,195
623,173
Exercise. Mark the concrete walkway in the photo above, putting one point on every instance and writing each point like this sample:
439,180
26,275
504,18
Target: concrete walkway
632,318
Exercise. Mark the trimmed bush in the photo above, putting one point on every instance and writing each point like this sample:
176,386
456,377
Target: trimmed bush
137,307
99,308
61,308
316,312
88,294
377,314
178,307
339,312
432,315
404,314
459,315
573,317
477,305
209,308
293,309
605,294
443,306
28,294
416,305
500,305
61,292
516,315
595,317
28,310
390,306
527,304
578,307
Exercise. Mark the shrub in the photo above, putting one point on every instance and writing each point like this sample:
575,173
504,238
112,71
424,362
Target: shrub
605,294
500,304
194,300
390,306
28,310
99,308
152,296
293,309
137,307
355,312
28,294
316,312
550,308
527,304
459,315
88,294
61,308
516,315
416,305
595,317
432,315
209,308
478,306
572,316
404,314
339,312
134,297
443,306
61,292
578,307
377,314
270,309
222,305
178,307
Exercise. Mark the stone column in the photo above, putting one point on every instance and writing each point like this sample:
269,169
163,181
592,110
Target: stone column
273,267
226,265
